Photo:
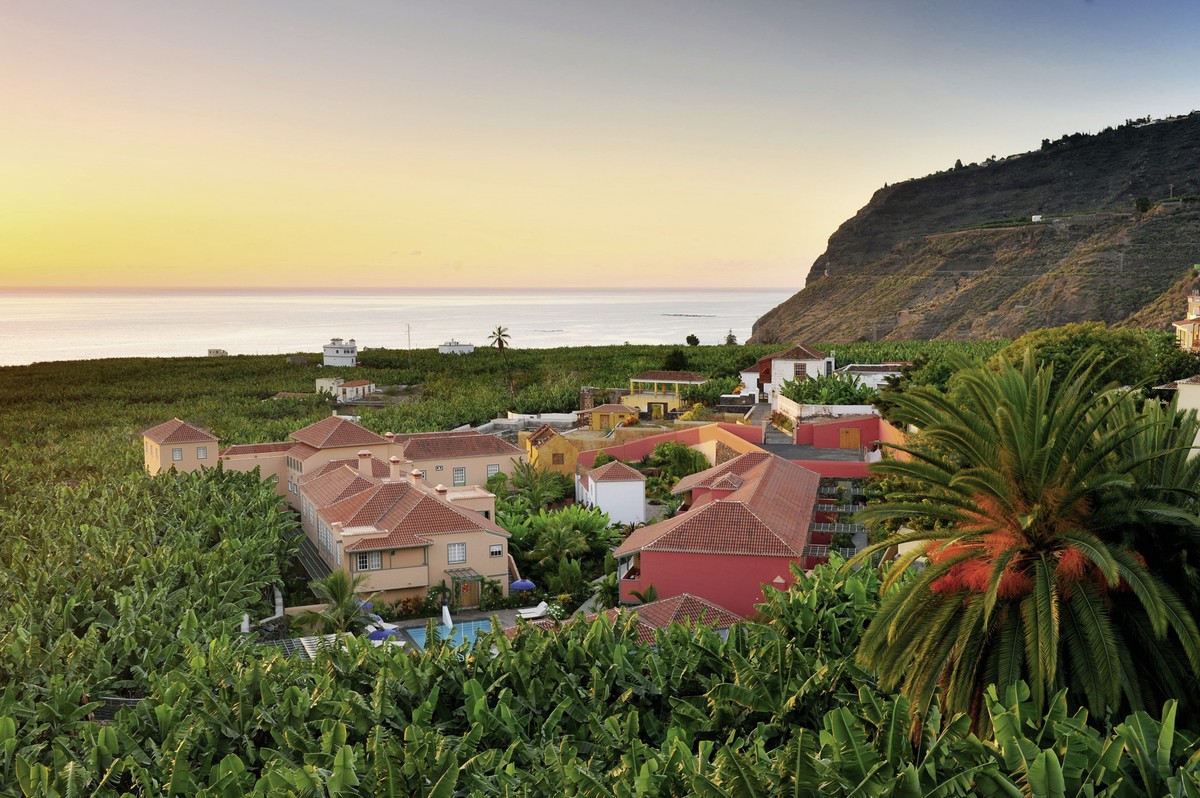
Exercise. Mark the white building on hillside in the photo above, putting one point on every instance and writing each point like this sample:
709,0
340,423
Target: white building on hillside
453,347
341,353
616,489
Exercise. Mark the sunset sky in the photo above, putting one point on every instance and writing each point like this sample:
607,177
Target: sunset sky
258,143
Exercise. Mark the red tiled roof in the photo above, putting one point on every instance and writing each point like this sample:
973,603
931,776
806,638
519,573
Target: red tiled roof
1186,323
818,421
356,383
611,408
379,468
738,465
872,368
449,445
798,352
334,432
727,482
331,485
542,435
256,448
768,516
176,431
670,376
616,471
685,608
302,451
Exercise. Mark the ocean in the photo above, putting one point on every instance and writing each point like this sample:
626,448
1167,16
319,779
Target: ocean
78,325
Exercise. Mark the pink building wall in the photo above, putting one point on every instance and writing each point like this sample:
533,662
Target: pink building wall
826,435
733,582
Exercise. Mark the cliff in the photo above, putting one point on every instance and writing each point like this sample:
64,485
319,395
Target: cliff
956,255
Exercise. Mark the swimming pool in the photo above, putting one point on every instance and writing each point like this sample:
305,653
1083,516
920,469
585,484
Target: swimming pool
464,632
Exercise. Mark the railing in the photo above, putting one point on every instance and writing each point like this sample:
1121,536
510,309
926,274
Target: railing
833,491
830,507
845,552
848,528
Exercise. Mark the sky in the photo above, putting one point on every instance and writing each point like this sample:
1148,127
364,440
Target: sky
455,143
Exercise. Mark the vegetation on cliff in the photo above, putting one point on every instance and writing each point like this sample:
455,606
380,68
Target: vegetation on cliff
958,255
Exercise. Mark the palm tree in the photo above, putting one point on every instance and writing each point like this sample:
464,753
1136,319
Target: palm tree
558,540
1025,489
499,338
345,609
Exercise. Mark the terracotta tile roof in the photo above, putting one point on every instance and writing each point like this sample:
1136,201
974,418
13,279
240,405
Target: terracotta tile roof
450,445
819,421
542,435
611,408
402,514
356,383
1174,384
380,469
729,482
685,608
871,368
331,485
768,516
256,448
798,352
334,432
176,431
302,451
670,376
738,465
616,471
1186,323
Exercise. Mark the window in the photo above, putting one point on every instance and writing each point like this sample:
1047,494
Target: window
438,468
369,561
422,473
493,470
456,553
201,452
460,477
496,550
177,454
558,458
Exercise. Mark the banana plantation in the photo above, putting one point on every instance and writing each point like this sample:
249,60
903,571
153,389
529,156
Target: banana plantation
1049,648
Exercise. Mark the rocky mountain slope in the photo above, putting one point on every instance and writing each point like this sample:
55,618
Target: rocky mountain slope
956,255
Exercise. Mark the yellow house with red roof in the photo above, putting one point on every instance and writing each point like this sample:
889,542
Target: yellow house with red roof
548,450
375,520
660,392
179,445
1187,332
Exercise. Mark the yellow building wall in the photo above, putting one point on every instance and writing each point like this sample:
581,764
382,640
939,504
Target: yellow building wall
542,457
608,420
160,457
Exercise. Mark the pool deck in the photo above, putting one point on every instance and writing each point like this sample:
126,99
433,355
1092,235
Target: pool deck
506,618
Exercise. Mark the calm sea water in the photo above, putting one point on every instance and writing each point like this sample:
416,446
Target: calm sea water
52,325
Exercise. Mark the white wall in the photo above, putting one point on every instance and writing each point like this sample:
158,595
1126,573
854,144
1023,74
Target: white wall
625,502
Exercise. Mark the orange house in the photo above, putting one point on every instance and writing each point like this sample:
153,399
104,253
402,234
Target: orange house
179,445
550,451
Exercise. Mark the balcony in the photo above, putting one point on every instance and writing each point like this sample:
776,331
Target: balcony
397,578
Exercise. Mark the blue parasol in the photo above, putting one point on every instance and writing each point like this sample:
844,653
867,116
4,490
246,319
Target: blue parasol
382,634
522,584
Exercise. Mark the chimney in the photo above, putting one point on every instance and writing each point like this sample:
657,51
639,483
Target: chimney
394,474
364,463
391,437
416,476
441,490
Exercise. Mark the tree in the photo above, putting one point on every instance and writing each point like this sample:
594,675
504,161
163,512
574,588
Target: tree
499,338
832,389
1028,486
647,596
692,340
676,360
730,339
958,164
558,541
345,609
540,488
1126,354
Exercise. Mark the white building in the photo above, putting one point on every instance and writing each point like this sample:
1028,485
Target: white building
341,353
341,389
799,362
453,347
616,489
873,375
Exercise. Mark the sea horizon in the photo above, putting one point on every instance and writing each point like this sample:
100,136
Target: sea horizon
86,324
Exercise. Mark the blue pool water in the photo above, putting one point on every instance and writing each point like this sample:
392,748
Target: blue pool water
463,633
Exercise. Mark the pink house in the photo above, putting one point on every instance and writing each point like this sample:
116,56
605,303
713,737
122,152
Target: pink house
748,521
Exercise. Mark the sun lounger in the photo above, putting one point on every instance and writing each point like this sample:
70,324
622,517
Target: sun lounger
534,612
380,623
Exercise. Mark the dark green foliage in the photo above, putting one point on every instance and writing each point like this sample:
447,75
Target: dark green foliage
675,360
834,389
1125,353
692,340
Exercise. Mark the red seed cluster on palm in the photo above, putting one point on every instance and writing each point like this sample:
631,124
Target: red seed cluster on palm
977,559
